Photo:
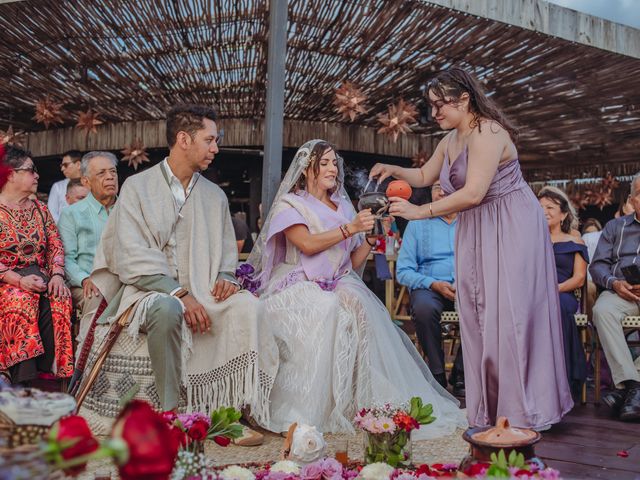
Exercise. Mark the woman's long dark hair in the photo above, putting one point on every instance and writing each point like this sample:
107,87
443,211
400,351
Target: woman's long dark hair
455,81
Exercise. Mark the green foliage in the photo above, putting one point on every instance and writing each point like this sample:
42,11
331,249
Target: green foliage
422,413
224,422
500,464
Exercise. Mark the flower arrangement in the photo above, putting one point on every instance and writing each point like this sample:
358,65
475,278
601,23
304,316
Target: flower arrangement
143,443
192,430
245,274
388,430
331,469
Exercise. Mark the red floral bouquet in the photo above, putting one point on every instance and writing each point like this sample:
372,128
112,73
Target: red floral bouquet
388,430
192,429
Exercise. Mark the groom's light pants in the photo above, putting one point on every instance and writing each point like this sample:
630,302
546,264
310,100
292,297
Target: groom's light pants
163,327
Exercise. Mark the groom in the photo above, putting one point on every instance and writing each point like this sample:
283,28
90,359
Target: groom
169,250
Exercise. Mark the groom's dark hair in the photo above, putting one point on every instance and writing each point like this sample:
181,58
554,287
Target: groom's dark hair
187,118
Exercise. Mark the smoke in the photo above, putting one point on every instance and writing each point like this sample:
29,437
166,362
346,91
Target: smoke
356,179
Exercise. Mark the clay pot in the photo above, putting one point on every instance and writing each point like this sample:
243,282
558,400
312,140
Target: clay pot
399,188
487,440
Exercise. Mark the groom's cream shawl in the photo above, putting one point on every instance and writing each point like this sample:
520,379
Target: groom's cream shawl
236,362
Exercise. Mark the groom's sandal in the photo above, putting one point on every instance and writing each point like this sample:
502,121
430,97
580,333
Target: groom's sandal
249,438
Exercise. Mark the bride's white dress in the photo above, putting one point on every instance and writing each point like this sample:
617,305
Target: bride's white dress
339,350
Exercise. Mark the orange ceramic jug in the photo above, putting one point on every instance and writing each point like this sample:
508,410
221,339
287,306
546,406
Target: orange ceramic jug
399,188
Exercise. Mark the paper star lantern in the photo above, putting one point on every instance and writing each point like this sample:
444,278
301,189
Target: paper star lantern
88,121
48,112
601,198
610,183
350,101
397,119
135,154
419,159
10,137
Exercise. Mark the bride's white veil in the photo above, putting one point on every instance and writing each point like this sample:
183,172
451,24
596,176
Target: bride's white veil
300,163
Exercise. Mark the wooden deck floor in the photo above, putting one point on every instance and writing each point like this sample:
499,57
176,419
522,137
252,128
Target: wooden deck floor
586,443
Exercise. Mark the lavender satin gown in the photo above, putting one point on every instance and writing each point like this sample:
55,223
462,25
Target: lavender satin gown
507,297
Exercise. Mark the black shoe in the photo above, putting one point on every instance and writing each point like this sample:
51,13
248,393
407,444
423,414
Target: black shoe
441,378
615,398
630,410
458,389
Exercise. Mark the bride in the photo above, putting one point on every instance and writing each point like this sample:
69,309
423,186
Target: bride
339,350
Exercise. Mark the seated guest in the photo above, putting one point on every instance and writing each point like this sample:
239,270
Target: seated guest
242,233
70,167
168,257
426,266
591,232
35,304
76,191
618,248
81,226
571,266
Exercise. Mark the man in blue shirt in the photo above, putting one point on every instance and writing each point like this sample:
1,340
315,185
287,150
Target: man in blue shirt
426,267
81,226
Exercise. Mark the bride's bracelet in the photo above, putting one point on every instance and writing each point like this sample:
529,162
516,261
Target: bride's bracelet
345,231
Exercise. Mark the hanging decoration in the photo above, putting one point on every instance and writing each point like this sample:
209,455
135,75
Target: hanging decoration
135,154
350,101
397,119
586,191
11,137
88,121
419,159
48,111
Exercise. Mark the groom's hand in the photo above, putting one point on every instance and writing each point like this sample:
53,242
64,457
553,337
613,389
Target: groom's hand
223,289
195,315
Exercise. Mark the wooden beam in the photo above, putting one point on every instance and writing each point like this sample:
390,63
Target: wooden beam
239,133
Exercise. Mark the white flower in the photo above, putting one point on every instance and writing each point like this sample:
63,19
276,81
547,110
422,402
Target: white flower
235,472
286,466
376,471
308,444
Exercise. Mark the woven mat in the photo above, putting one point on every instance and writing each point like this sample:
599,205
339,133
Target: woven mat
450,449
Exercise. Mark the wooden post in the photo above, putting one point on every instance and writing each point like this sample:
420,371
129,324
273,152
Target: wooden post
274,113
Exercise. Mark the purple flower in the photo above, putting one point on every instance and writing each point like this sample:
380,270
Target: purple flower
326,285
405,476
246,278
349,474
331,468
280,476
312,471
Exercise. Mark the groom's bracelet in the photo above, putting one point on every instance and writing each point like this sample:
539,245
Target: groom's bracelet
183,292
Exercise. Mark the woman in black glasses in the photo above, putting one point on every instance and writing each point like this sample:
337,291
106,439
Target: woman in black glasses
507,292
35,304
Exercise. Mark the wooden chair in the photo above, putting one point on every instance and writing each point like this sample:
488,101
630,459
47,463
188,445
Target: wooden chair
630,324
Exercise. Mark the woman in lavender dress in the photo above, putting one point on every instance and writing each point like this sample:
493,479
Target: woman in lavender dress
339,350
507,292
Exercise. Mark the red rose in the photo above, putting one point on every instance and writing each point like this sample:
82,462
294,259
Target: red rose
153,448
74,428
476,469
198,430
222,441
179,435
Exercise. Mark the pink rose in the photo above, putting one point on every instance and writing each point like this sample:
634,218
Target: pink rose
331,468
312,471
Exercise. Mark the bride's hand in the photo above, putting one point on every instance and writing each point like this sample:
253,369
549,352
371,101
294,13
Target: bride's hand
382,171
363,222
402,208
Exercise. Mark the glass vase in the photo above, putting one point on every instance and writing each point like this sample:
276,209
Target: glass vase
391,448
